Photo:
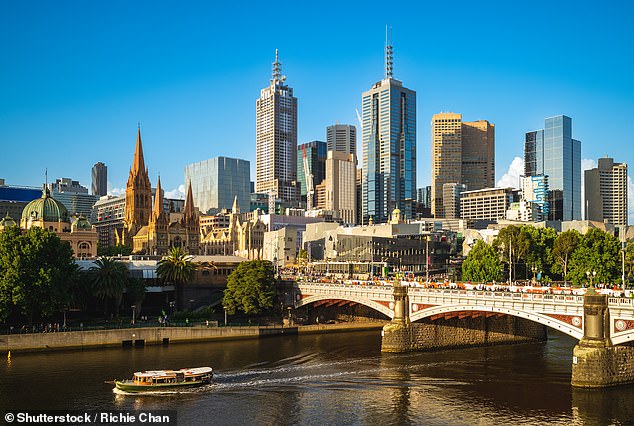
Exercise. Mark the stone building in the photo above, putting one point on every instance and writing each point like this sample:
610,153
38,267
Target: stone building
50,214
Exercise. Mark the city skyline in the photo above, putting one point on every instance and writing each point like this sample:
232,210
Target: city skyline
82,77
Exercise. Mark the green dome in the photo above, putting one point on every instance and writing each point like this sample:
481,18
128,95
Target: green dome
46,208
81,224
7,221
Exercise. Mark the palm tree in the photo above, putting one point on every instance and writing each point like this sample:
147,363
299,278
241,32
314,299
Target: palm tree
176,268
109,278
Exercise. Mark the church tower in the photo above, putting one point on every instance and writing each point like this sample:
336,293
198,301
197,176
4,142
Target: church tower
138,193
157,226
191,223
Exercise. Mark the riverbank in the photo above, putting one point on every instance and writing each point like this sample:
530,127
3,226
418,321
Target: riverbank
139,337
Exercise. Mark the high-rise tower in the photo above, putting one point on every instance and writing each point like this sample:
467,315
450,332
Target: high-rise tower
606,192
99,179
276,140
389,147
553,152
342,138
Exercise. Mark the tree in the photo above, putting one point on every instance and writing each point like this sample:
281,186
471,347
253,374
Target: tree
37,272
564,247
482,264
512,244
540,254
598,252
176,268
114,250
109,278
250,288
629,261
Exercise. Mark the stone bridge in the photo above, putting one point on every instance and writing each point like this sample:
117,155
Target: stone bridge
428,318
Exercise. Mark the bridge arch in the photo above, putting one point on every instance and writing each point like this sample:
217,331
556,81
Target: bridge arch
550,322
360,300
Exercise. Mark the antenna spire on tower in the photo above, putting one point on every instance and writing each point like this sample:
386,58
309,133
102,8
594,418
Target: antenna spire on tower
277,69
389,56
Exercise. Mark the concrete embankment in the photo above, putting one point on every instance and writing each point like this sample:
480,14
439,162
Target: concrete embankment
139,337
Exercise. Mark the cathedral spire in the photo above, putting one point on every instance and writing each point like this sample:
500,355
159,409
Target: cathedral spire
138,164
189,202
236,207
158,200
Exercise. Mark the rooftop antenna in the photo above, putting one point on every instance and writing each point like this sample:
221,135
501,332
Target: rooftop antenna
277,69
389,63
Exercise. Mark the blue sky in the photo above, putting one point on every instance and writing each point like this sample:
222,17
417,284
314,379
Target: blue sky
77,77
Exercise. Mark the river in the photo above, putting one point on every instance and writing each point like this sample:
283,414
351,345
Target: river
340,379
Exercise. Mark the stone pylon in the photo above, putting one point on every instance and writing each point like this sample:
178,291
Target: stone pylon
397,335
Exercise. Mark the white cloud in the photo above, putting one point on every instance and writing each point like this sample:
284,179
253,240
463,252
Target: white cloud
177,194
115,192
512,177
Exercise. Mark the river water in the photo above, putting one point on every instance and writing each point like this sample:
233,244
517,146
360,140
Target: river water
340,379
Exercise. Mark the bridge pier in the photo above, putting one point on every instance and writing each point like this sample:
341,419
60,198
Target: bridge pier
596,362
397,335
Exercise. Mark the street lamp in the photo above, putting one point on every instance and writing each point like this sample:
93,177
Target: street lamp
534,269
133,313
623,246
427,258
591,276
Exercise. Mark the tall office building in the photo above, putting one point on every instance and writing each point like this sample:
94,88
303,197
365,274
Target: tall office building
451,193
316,153
553,152
99,179
446,160
606,192
423,196
276,140
478,155
535,190
216,183
341,188
463,152
389,147
342,138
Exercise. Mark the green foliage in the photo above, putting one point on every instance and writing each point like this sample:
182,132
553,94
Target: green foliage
136,290
37,272
303,254
108,279
540,253
482,264
176,268
597,251
563,248
114,250
250,288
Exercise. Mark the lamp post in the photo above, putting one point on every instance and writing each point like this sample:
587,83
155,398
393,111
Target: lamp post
534,269
591,276
623,245
133,313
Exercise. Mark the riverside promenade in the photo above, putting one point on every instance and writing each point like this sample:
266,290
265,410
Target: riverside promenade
141,336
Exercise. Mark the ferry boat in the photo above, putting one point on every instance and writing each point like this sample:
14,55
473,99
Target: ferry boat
163,380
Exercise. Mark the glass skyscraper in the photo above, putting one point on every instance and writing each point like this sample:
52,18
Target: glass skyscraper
316,153
553,152
217,181
389,147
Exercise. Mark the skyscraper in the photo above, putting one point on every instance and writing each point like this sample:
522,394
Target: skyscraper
342,138
553,152
389,147
99,179
216,183
341,189
316,154
478,154
446,159
606,192
276,140
463,153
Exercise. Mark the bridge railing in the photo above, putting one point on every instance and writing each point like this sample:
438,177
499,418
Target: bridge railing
500,295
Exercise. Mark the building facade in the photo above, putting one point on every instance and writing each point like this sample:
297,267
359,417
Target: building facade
606,192
478,154
535,190
99,179
389,147
341,193
217,181
451,193
108,216
553,152
316,153
487,204
446,162
276,140
342,138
